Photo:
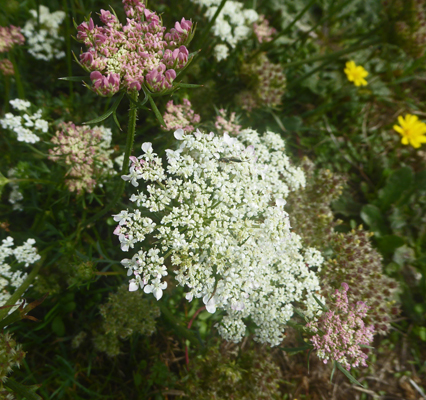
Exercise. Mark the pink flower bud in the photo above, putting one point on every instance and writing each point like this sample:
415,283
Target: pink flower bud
170,75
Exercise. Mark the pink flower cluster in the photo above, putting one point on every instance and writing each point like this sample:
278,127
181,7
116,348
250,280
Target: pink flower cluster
263,31
10,36
180,117
227,125
266,82
6,67
341,332
85,151
135,54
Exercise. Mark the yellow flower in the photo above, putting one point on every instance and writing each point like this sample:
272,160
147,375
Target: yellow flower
356,74
412,130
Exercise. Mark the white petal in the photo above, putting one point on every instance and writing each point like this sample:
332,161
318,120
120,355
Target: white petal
158,293
280,202
148,288
189,296
146,147
133,286
250,149
179,133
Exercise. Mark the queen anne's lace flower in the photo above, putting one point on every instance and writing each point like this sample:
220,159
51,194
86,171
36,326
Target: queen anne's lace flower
225,124
10,277
262,30
42,33
180,116
9,37
26,124
135,54
233,24
266,81
224,226
87,151
343,331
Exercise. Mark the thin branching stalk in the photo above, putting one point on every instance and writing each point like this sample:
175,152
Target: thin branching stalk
21,290
68,43
18,80
268,45
332,56
125,168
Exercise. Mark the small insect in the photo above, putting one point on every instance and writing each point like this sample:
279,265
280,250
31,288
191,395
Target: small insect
228,160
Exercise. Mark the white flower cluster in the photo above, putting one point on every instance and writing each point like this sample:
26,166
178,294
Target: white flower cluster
15,195
10,277
25,125
220,216
233,24
44,40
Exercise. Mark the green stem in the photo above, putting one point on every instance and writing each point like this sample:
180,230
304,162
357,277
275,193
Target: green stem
175,323
283,32
334,55
21,290
125,168
210,24
68,43
19,86
6,93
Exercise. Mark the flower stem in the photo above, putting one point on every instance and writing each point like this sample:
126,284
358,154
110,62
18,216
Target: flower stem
200,43
125,168
21,290
19,86
68,43
6,93
267,45
333,56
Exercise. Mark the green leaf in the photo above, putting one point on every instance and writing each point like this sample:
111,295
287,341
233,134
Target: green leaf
348,375
389,243
26,392
396,184
333,371
188,85
58,326
74,78
112,110
3,182
100,119
320,303
420,181
156,111
296,349
373,217
292,123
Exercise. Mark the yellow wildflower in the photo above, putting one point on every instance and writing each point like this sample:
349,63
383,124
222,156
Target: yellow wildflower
356,74
412,130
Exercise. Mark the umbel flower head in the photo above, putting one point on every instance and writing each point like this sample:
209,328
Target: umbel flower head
86,152
9,37
223,223
356,73
352,257
266,82
342,331
136,54
180,116
412,130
